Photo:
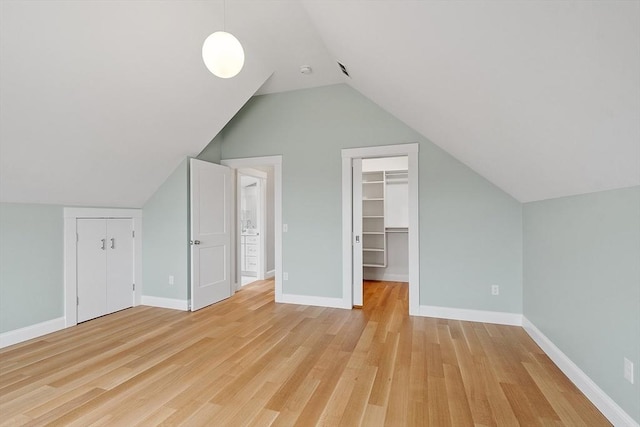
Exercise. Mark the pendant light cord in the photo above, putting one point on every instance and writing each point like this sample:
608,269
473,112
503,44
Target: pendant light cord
224,15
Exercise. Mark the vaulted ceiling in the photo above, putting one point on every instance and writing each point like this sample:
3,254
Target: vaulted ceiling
100,100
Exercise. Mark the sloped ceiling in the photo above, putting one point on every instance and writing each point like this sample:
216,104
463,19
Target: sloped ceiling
100,100
540,97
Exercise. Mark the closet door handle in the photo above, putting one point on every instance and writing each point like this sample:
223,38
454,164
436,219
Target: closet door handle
113,243
104,241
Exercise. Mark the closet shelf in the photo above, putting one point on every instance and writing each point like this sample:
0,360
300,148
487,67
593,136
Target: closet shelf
397,229
373,214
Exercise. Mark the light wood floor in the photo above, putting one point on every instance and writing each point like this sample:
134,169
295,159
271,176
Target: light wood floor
249,361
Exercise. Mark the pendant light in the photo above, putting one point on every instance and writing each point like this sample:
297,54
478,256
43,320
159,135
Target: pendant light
222,53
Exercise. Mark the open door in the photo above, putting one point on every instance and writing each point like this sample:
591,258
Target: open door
357,232
210,202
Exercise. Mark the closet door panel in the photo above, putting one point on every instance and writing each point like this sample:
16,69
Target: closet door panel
119,289
92,268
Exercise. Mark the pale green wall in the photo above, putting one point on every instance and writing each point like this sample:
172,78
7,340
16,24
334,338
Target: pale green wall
211,152
582,283
165,241
31,264
470,231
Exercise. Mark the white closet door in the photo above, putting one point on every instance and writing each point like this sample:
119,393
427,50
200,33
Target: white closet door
357,232
92,268
119,292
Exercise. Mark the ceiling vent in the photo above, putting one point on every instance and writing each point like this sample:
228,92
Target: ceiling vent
343,69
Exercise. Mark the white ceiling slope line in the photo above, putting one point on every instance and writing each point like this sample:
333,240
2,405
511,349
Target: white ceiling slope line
102,100
541,98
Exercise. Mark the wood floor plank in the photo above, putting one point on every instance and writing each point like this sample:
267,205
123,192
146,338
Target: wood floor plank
248,361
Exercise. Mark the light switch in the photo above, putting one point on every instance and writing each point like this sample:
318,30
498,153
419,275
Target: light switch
628,370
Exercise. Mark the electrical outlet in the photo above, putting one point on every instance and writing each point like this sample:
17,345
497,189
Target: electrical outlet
171,280
285,228
495,290
628,370
285,276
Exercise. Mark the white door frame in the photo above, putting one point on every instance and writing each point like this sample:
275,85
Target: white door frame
262,217
348,154
71,215
276,163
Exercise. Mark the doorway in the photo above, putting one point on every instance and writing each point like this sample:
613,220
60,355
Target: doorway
253,222
352,220
272,190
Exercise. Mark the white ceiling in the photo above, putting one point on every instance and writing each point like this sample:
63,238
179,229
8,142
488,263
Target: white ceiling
100,100
540,97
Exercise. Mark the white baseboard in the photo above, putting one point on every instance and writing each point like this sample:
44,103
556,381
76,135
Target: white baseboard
498,317
599,398
387,277
29,332
269,274
176,304
315,301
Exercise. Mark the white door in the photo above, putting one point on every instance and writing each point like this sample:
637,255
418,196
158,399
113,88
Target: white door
357,232
119,264
92,268
210,201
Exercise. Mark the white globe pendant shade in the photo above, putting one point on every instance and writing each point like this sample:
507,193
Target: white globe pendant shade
223,54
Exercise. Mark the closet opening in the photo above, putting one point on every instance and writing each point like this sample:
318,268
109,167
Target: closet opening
384,197
380,220
385,219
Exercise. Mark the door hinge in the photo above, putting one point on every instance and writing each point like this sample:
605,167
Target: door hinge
77,237
133,234
134,286
77,300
